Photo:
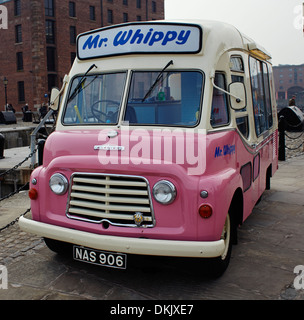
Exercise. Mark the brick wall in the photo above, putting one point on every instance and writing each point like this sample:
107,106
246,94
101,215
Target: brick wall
35,74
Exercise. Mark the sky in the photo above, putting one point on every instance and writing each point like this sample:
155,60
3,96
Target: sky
277,25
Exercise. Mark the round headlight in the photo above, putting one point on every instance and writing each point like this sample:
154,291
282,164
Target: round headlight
58,183
164,192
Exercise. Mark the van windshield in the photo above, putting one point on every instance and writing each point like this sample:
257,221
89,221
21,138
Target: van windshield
96,101
174,99
167,99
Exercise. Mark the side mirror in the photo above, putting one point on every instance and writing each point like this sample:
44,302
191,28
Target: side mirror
54,101
237,92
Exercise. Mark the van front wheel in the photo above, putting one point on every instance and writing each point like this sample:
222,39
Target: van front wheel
217,266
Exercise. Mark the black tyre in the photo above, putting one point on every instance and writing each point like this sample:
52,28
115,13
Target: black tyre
217,266
59,247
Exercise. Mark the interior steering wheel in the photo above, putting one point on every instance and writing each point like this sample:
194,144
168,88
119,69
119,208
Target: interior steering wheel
100,115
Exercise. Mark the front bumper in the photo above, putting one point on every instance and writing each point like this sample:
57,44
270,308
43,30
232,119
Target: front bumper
141,246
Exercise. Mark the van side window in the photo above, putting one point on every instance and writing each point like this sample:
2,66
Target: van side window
236,64
260,95
243,125
267,95
241,115
219,110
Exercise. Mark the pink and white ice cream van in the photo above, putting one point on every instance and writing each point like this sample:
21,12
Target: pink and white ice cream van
165,140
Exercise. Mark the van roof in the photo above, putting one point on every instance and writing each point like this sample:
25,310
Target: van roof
230,37
165,36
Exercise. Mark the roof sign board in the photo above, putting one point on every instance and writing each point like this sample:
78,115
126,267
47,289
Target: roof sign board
140,38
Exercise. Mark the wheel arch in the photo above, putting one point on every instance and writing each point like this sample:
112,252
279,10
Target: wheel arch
268,176
236,212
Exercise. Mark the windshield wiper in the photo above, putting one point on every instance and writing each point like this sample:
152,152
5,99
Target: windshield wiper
82,80
156,81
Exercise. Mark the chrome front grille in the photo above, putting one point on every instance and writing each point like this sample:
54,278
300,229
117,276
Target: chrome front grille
112,199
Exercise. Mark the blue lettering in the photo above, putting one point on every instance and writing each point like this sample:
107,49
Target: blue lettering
89,43
182,39
147,37
157,36
226,149
122,38
102,41
137,36
170,36
229,149
218,152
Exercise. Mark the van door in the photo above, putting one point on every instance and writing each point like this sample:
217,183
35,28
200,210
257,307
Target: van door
249,160
237,69
263,117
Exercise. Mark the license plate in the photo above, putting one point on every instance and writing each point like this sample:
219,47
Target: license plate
100,258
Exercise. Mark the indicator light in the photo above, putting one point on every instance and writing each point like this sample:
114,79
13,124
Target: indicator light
33,194
205,211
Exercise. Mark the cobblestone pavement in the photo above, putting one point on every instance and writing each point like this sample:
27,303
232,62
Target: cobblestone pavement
15,244
261,268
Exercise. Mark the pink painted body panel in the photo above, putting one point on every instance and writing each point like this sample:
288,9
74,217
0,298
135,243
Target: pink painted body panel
220,157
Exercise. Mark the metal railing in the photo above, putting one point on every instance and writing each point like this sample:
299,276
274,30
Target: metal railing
34,135
282,135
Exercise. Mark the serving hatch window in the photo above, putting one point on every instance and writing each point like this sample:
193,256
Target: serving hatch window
95,99
260,95
167,98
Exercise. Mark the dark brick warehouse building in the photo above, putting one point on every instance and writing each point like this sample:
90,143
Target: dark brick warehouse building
38,45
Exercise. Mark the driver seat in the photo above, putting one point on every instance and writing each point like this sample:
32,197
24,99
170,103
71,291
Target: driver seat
130,115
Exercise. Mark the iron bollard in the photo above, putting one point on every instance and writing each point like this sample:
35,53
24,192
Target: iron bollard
2,139
281,128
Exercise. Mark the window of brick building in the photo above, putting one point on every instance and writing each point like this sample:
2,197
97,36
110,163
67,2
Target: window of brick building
154,6
17,7
92,13
19,61
73,56
125,17
138,4
72,34
110,16
51,58
52,81
49,8
125,2
21,94
72,9
50,31
18,33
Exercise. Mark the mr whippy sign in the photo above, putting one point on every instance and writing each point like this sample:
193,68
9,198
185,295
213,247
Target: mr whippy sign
140,38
